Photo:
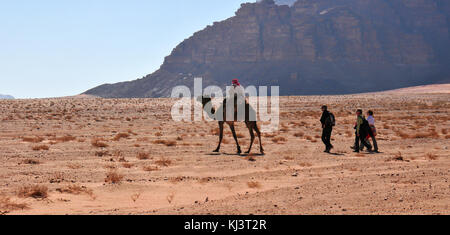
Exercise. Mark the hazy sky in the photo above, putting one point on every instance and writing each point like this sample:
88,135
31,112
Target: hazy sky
51,48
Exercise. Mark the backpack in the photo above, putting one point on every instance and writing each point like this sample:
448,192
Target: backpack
365,127
332,119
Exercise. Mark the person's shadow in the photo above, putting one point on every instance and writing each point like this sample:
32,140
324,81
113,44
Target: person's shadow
337,154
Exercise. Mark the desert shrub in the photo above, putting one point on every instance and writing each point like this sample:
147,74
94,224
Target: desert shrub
253,184
143,156
40,148
299,134
113,177
165,162
120,136
279,139
98,143
36,191
33,139
431,156
30,162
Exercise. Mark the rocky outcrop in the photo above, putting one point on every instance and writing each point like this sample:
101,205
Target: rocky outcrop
6,97
312,47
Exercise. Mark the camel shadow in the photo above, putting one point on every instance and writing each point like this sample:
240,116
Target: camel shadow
236,154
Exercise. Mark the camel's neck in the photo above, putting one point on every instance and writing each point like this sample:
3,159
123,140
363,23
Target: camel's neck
211,109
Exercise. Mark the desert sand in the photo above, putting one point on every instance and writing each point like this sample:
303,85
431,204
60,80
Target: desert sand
126,156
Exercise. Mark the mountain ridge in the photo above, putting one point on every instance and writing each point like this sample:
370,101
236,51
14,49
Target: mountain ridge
312,47
9,97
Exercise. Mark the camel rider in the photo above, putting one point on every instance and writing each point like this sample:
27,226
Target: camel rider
236,90
236,93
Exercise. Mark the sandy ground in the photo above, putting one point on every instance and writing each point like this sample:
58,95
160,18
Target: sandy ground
163,167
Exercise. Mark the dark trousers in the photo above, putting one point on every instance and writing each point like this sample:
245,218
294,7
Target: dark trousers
375,144
326,136
361,138
374,140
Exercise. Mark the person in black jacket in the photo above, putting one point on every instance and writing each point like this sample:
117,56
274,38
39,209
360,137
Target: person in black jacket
327,126
362,130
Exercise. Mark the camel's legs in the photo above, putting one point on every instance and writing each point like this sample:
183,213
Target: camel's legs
235,137
252,135
258,133
220,136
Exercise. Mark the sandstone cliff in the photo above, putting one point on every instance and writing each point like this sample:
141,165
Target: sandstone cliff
312,47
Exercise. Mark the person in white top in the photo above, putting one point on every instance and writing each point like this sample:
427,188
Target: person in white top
373,133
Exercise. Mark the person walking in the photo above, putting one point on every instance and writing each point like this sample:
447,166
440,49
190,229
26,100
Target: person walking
373,129
362,130
328,121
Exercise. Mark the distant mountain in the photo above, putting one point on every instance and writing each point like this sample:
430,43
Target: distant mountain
312,47
285,2
6,97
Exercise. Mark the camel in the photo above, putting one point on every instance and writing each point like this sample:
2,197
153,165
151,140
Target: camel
251,125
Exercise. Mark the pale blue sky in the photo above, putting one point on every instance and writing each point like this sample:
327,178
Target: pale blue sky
52,48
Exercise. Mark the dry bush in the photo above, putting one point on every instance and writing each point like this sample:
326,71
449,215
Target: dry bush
269,135
169,143
431,156
41,148
289,158
305,164
164,162
30,162
204,180
403,135
299,134
398,157
131,132
77,190
253,184
176,180
143,139
127,165
6,204
36,191
98,143
158,134
66,138
33,139
74,166
120,136
113,177
102,153
150,168
423,135
279,139
143,156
